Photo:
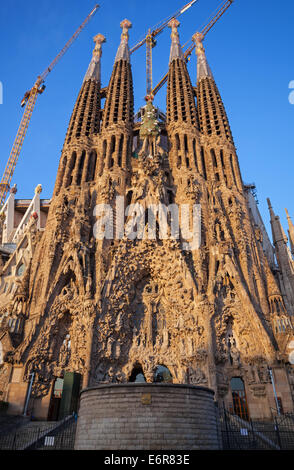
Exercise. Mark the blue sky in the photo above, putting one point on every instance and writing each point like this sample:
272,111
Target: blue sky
250,51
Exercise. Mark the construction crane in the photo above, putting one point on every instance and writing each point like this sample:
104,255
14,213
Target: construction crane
29,101
223,8
150,42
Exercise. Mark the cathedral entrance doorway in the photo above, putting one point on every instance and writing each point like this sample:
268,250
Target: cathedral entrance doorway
240,406
55,401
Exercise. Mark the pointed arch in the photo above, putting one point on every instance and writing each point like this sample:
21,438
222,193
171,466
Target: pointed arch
91,166
69,176
80,168
120,150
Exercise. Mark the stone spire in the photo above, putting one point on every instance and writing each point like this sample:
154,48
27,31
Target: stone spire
94,69
85,119
203,69
277,229
181,114
291,232
176,49
180,95
283,256
118,113
123,52
213,119
78,160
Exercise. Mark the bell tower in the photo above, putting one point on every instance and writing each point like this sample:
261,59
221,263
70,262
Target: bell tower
182,123
79,157
118,117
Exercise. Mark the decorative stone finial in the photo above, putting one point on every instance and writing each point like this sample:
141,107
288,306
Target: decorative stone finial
99,39
198,41
270,208
38,189
203,69
174,24
176,50
123,52
269,203
94,69
125,25
13,190
290,231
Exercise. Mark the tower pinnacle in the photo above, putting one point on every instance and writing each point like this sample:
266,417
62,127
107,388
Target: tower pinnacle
176,50
94,69
203,69
290,231
270,208
123,52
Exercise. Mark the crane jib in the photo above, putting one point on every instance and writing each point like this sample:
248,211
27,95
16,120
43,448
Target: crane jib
94,10
30,100
187,7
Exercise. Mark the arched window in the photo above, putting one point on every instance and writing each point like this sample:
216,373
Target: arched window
186,143
91,166
62,174
104,149
213,156
203,163
104,153
195,154
129,197
222,158
20,270
137,375
232,168
120,150
112,149
162,374
70,169
80,169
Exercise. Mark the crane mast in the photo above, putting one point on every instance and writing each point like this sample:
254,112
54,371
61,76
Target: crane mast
150,42
223,8
29,101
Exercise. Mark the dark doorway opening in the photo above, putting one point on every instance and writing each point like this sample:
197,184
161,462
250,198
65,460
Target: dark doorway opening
240,406
137,375
55,400
162,374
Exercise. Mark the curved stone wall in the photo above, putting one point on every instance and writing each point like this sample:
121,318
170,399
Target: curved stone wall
147,417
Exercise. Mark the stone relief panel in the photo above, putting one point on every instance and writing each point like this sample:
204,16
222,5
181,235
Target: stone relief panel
150,317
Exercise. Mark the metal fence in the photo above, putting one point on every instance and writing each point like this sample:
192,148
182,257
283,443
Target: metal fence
60,436
237,433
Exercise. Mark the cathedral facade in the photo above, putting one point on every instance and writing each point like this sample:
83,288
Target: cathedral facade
146,298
